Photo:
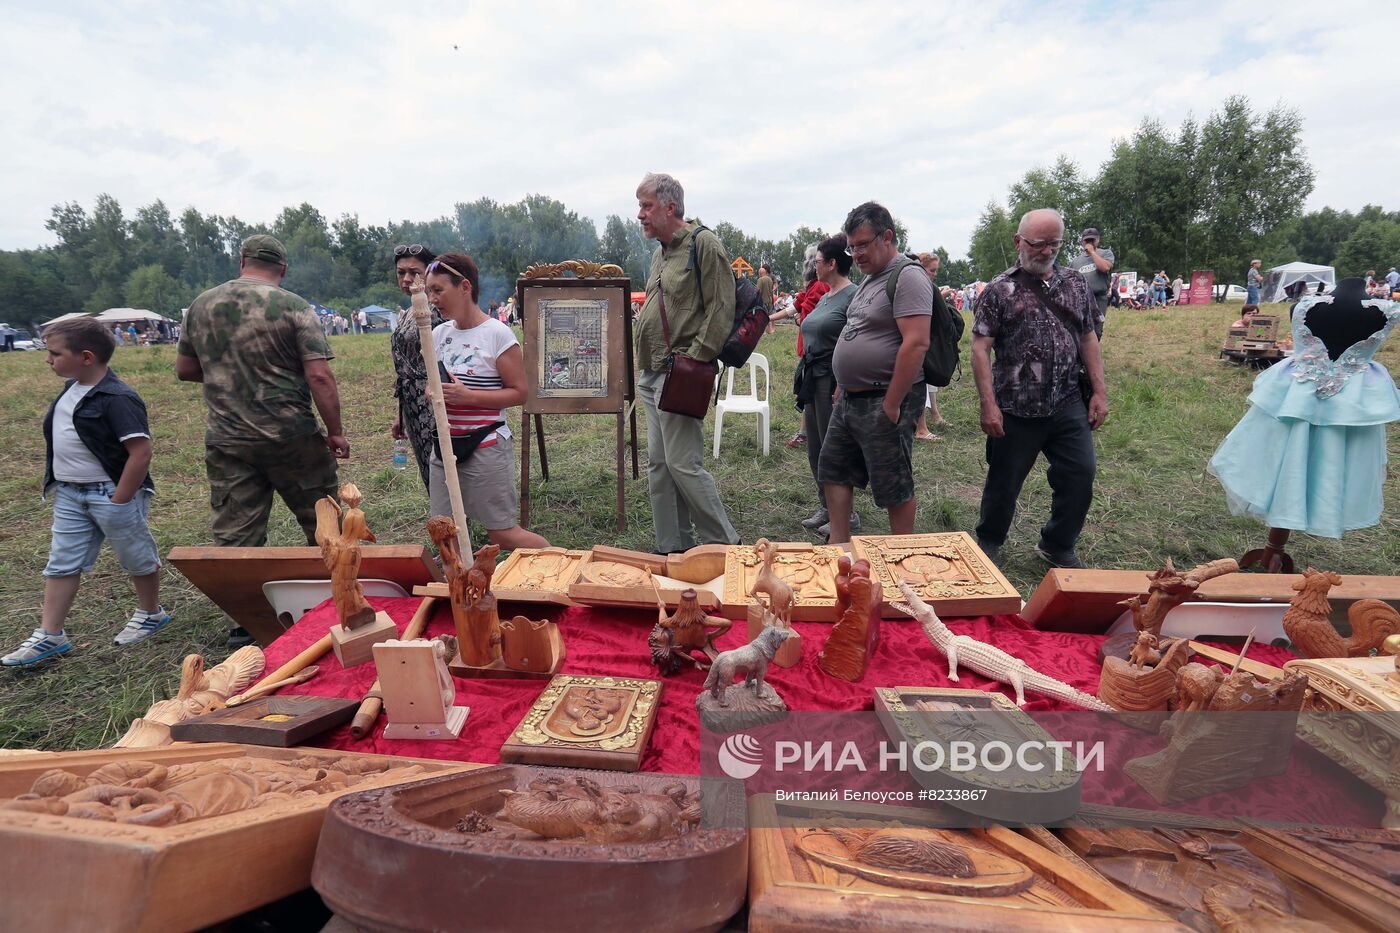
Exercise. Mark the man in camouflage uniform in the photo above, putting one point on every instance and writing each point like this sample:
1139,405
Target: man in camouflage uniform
263,359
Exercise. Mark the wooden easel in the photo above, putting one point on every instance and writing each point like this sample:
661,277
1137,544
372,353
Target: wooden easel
622,405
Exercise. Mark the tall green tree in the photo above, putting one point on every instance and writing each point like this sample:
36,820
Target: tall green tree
1256,178
1373,246
992,250
151,288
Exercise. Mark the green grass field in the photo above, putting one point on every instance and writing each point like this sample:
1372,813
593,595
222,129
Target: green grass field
1171,400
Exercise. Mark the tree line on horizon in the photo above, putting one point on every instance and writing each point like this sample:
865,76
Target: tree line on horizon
1211,195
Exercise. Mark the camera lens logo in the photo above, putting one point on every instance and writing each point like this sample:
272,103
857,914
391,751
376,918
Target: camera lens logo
740,756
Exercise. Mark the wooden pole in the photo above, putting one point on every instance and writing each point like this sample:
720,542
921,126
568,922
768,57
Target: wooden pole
373,702
424,319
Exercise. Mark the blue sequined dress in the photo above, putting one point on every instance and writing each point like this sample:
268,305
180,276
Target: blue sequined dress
1310,453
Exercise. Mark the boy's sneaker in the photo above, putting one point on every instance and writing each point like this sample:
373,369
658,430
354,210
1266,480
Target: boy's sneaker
142,625
40,646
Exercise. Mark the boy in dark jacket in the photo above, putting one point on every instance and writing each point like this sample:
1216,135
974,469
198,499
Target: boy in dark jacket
98,452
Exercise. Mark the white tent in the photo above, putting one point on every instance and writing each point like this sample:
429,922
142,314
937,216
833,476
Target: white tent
129,315
1278,279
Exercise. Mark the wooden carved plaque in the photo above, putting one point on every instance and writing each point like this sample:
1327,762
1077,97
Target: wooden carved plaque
809,570
947,569
816,865
538,575
942,714
587,721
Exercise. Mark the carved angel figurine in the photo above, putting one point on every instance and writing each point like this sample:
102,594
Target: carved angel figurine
339,534
200,692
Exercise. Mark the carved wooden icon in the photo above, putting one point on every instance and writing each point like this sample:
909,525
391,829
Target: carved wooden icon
676,637
808,571
339,533
1224,748
814,866
1309,626
1144,683
1350,715
597,849
947,570
587,721
853,638
419,694
247,847
1043,788
277,721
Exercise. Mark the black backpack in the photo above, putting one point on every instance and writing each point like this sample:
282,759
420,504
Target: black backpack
945,330
750,316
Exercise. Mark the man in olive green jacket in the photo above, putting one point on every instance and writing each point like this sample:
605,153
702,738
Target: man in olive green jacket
685,505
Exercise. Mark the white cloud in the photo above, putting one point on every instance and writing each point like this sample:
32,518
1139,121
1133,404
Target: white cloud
773,115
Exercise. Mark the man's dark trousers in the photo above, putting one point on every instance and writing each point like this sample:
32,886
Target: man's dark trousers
1068,444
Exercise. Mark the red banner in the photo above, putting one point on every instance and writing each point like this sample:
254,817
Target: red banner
1200,289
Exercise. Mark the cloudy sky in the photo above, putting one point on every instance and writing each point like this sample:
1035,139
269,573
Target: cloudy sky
771,114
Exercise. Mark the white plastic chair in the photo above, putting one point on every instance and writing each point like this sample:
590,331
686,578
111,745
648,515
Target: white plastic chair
749,403
291,599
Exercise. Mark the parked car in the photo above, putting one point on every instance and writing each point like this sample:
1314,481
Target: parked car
25,341
1235,293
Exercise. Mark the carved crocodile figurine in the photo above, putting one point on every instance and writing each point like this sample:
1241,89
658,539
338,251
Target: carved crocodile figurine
990,661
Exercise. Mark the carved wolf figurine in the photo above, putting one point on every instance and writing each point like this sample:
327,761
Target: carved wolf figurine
751,660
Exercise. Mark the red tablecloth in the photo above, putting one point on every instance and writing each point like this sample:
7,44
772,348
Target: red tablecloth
613,641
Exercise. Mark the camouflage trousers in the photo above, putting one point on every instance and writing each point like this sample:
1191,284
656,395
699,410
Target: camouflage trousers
243,476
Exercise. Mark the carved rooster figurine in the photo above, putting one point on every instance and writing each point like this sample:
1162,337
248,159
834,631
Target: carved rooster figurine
1309,627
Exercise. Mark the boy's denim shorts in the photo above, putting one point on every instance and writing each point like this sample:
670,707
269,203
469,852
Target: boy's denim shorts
84,515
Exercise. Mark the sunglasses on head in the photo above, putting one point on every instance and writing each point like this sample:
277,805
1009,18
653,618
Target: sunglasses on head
413,250
437,265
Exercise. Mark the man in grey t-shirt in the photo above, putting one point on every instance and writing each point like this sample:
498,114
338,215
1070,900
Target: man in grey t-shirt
878,365
1095,263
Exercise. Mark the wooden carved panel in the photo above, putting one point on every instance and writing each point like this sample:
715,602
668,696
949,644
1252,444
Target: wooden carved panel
809,570
947,569
584,720
816,865
538,575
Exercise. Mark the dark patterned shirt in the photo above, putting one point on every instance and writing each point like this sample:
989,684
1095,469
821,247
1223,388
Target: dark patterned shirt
1036,366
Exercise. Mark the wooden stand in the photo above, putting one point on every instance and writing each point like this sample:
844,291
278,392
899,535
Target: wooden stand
355,647
418,692
616,395
791,651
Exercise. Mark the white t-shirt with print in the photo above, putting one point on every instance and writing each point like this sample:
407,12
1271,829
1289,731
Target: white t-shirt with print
470,356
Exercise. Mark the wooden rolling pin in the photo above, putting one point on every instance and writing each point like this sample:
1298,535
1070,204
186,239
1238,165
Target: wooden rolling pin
309,656
373,702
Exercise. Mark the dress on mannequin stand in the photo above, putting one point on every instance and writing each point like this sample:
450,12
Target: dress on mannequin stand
1310,453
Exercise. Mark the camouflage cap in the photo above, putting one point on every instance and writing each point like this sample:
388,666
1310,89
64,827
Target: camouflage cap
264,247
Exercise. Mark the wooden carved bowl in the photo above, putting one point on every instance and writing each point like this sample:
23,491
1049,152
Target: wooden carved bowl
436,855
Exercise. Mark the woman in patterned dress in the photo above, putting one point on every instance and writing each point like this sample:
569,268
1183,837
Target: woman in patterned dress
414,420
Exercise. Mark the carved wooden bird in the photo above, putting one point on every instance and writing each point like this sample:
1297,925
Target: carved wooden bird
1309,626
